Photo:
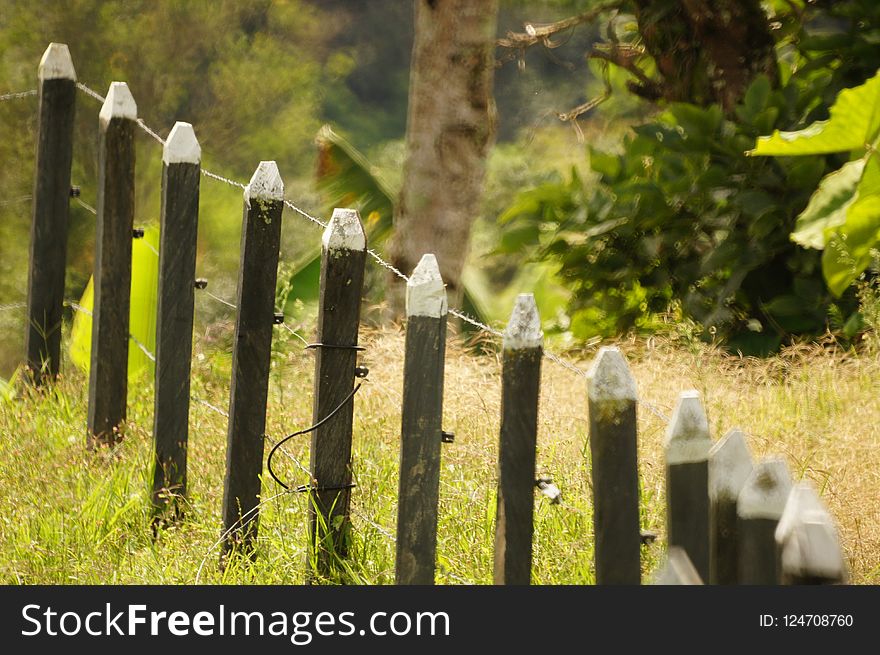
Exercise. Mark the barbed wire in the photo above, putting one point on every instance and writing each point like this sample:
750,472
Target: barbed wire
12,201
17,95
381,261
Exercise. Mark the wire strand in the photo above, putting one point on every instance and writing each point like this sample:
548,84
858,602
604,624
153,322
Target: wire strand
381,261
17,95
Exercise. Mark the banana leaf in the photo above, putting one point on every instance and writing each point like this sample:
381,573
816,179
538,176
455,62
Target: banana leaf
142,315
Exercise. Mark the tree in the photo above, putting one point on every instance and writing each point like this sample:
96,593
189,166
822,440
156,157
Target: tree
450,128
683,217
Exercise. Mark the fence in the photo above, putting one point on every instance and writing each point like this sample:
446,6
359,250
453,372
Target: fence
729,520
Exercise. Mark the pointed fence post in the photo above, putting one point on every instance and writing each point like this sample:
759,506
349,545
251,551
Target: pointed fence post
678,570
108,368
687,480
251,357
730,464
522,351
759,507
422,424
177,267
614,454
808,546
48,245
342,279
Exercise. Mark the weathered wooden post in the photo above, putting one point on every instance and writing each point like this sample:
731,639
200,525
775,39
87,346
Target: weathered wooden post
251,356
730,464
678,570
108,371
421,429
174,324
687,480
522,350
342,279
51,200
614,453
808,547
759,508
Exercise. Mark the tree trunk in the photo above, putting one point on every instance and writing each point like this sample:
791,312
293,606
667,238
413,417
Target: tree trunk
706,52
450,128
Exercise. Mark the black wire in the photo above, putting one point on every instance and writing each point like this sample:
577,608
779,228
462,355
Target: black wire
306,431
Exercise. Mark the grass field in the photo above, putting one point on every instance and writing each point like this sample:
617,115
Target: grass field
69,516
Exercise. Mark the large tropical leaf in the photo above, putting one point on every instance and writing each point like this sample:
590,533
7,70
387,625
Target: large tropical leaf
142,315
828,205
854,123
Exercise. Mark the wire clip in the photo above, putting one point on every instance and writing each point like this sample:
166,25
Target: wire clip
447,437
137,233
200,283
278,318
545,484
74,191
361,371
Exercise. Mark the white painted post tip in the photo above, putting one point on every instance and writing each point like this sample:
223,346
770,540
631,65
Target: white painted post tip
118,104
425,291
766,491
524,327
687,438
807,537
803,503
182,147
609,377
730,465
345,231
56,63
265,184
812,550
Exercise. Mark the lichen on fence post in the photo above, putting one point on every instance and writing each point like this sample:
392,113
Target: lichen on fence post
759,507
687,480
108,368
522,350
807,542
51,199
181,168
421,424
251,357
612,402
730,464
343,259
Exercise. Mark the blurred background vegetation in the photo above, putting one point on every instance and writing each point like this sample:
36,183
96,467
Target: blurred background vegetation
642,211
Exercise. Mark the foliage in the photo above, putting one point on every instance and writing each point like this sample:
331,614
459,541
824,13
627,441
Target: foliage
682,215
142,312
843,216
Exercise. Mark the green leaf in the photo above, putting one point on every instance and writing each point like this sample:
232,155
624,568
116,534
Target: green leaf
854,123
346,179
828,205
848,250
142,311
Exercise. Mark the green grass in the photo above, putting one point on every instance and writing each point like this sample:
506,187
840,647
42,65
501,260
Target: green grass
71,516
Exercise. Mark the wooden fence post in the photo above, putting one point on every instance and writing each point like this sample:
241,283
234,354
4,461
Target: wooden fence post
48,245
520,384
678,570
760,505
421,424
687,481
342,278
251,356
808,547
614,454
730,464
174,324
108,369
